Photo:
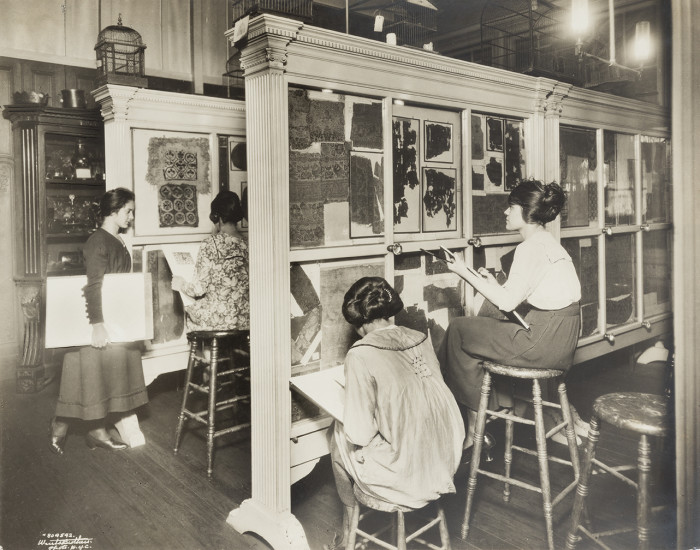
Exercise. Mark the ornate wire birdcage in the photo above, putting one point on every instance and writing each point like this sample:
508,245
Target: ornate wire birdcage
120,56
294,9
413,21
529,36
233,77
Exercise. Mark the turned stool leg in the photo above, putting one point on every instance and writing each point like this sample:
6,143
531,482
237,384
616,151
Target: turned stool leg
444,533
354,521
582,488
188,378
212,405
401,536
540,436
643,503
570,431
508,458
476,451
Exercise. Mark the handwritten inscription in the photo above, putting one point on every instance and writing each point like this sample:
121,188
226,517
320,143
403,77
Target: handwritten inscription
64,541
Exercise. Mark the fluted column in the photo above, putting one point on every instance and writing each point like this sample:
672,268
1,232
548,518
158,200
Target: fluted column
114,105
268,512
552,114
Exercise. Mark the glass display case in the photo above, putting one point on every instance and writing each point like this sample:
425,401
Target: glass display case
60,177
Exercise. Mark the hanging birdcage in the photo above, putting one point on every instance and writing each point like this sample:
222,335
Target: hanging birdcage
233,77
413,21
294,9
120,56
529,36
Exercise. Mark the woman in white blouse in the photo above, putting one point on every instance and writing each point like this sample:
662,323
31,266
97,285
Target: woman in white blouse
543,277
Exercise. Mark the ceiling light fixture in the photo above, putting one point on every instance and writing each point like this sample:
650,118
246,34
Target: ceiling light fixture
580,23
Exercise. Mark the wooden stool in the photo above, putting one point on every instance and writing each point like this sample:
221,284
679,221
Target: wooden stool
237,340
374,505
643,413
541,436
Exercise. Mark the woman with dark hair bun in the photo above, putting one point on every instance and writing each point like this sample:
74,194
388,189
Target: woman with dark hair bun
220,283
401,439
104,378
543,279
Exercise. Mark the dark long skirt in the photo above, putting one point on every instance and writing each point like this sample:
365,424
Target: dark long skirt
549,344
96,382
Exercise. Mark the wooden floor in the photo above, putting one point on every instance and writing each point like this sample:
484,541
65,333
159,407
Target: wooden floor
148,498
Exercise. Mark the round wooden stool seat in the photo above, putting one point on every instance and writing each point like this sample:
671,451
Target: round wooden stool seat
644,413
225,348
402,538
521,372
541,436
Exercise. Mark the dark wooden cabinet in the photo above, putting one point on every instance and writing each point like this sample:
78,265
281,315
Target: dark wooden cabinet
59,179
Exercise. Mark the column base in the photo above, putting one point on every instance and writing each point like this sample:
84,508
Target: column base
33,379
282,531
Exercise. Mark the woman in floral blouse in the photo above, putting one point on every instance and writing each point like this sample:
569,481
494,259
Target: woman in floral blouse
220,283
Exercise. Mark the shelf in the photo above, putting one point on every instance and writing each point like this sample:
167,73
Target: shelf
81,182
67,237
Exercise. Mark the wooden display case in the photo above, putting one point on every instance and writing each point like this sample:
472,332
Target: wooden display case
60,176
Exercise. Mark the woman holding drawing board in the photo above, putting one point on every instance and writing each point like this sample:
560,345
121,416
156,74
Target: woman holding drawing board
103,378
220,283
401,438
543,277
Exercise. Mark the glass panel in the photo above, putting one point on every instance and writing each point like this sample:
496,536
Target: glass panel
657,254
431,294
584,254
317,298
426,149
578,162
498,165
73,159
656,180
620,279
336,186
619,178
497,259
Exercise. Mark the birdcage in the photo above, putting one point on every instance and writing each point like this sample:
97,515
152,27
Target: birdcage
120,56
294,9
529,36
413,21
233,77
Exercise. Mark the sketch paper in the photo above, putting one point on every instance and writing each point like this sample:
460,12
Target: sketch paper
325,388
181,260
126,304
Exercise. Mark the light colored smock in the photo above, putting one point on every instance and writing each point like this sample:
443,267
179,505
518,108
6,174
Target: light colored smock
401,440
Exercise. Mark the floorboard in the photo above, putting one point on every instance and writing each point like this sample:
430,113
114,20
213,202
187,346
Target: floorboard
149,498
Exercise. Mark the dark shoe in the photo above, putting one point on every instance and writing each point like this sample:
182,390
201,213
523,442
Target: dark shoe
108,444
486,447
56,442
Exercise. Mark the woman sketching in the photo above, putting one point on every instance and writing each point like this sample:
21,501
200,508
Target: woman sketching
543,277
220,283
104,378
401,439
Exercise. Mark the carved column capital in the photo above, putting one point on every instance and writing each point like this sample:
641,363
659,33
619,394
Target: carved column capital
265,45
555,99
114,101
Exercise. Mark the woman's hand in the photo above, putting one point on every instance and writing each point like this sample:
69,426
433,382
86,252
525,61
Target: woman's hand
486,274
100,337
178,283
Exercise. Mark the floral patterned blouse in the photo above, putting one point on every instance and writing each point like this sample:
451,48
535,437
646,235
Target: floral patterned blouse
220,285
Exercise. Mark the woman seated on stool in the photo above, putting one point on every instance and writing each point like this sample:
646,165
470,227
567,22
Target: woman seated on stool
220,283
543,276
401,440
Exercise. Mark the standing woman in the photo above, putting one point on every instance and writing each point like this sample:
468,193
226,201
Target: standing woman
543,276
220,283
102,378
